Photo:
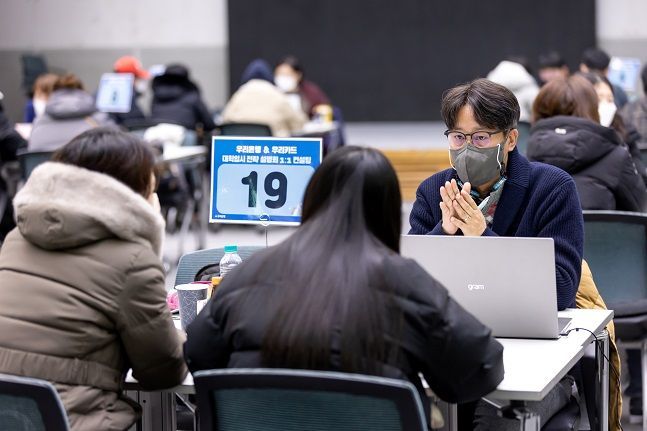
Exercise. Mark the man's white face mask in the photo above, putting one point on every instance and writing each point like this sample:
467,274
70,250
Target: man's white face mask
607,111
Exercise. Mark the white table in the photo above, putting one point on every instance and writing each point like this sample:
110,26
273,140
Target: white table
532,368
175,153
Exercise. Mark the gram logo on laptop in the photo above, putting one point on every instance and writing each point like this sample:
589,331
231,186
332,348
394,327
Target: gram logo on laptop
471,287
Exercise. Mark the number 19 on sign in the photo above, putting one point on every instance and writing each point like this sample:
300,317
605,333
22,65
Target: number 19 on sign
275,185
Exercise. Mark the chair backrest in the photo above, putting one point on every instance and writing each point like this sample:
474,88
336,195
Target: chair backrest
244,129
524,134
643,152
30,159
193,262
615,247
287,400
28,404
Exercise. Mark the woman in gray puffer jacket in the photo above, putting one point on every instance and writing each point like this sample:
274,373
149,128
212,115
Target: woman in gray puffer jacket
70,110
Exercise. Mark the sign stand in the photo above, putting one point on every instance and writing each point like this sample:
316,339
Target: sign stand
265,222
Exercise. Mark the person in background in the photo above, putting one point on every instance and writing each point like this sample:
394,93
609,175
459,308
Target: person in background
258,101
289,77
69,111
43,88
552,66
177,99
516,77
567,133
635,113
82,294
348,301
10,143
609,117
597,61
492,190
130,64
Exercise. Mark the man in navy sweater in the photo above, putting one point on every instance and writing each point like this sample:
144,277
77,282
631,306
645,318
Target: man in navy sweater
493,190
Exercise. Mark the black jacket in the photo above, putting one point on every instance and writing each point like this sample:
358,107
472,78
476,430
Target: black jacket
597,159
177,99
133,117
632,140
457,355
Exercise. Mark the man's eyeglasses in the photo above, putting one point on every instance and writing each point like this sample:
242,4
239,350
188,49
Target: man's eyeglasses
480,139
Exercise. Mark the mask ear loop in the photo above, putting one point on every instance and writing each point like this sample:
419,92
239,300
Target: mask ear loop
498,153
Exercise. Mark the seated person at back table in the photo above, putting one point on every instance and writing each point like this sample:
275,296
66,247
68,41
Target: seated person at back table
259,101
82,295
492,190
69,111
337,295
177,99
304,94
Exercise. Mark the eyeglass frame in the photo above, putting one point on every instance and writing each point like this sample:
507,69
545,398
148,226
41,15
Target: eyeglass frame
448,131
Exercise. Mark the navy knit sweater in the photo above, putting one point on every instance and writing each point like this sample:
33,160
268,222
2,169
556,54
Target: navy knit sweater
538,200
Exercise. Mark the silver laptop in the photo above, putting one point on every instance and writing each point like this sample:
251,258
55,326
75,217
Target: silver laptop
507,283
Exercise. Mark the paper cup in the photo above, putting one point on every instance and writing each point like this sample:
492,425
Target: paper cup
189,295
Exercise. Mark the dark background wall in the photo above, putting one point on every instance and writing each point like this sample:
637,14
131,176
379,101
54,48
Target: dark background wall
385,60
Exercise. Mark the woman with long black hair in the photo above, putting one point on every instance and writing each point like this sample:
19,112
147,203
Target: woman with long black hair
337,295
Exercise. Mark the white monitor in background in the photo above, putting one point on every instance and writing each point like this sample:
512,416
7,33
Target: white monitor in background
115,92
625,72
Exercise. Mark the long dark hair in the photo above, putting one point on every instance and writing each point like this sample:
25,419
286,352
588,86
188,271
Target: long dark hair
334,293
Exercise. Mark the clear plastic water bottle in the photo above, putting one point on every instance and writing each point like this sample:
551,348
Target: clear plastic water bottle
229,260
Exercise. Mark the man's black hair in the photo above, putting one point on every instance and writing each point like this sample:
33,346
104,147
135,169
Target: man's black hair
551,59
596,59
494,106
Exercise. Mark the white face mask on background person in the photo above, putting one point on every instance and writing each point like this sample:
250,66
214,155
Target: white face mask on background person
286,83
39,106
607,111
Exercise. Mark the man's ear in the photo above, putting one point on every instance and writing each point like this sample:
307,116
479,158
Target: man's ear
513,135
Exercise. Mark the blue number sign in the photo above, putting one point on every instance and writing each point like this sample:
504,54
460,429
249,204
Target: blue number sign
261,180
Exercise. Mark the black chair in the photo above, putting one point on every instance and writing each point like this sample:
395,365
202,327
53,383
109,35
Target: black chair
615,247
191,263
642,147
28,404
287,400
30,159
524,134
244,129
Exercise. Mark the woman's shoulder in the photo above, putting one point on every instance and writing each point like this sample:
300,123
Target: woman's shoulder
410,281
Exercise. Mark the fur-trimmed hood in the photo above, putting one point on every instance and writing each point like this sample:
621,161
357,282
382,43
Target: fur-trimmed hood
64,206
